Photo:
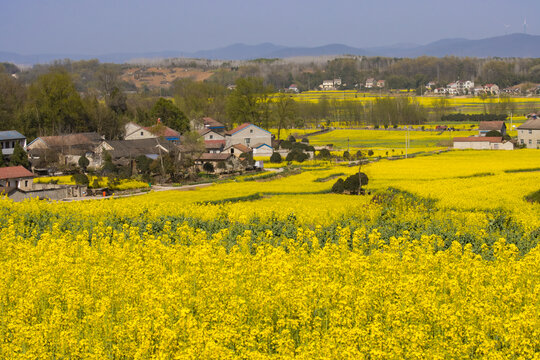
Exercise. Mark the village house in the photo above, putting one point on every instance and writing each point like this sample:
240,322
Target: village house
214,146
8,139
221,162
237,149
529,133
486,126
491,89
430,85
207,123
124,152
370,82
209,134
482,143
65,149
247,134
381,83
293,88
136,132
330,84
262,150
15,177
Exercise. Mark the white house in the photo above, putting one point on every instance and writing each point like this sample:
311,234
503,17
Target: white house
482,143
247,134
529,133
330,84
136,132
8,140
262,150
370,82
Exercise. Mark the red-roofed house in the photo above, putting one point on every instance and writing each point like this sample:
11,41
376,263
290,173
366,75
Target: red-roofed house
15,177
247,134
492,88
482,143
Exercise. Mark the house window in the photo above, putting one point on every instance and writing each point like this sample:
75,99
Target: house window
522,141
232,150
141,133
530,141
530,131
25,183
246,140
538,142
251,131
211,137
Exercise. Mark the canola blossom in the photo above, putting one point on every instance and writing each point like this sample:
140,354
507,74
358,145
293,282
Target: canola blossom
440,261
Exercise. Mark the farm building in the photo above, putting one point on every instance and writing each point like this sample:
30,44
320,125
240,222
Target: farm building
482,143
248,134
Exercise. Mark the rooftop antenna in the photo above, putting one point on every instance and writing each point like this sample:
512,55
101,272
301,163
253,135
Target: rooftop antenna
525,26
506,29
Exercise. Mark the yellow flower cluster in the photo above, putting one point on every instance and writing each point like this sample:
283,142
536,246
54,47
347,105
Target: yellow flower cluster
179,294
441,262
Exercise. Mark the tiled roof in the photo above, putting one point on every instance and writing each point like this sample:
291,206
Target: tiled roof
238,128
13,172
491,125
71,139
214,144
215,157
161,130
11,135
532,124
208,121
491,139
243,148
134,148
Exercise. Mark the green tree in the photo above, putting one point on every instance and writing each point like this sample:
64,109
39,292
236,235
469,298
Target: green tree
12,97
170,115
245,103
56,105
285,111
19,157
83,162
2,161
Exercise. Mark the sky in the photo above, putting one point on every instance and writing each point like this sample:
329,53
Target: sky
96,27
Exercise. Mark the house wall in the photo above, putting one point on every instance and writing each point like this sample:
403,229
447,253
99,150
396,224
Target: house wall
7,146
502,146
213,136
263,151
139,134
530,138
476,145
249,136
20,183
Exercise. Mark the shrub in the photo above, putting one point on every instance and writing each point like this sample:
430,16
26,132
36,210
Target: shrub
276,158
359,154
80,179
338,187
346,155
305,140
208,167
291,139
370,153
297,155
285,144
494,133
324,154
83,162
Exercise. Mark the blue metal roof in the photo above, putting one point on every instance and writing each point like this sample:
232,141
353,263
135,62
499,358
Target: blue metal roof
11,135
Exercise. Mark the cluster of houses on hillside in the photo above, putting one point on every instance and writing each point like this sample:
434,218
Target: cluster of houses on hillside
528,136
222,148
463,88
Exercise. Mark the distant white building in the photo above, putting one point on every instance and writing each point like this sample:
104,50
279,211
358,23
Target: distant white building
370,82
330,84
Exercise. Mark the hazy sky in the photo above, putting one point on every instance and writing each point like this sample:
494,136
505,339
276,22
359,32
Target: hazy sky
104,26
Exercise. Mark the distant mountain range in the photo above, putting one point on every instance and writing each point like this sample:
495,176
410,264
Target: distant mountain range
513,45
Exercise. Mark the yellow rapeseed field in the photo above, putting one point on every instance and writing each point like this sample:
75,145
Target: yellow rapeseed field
439,261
